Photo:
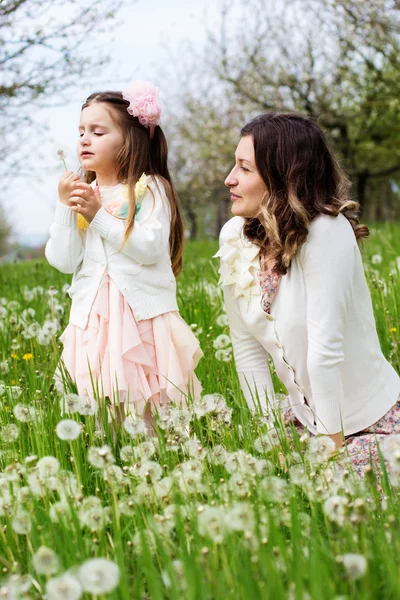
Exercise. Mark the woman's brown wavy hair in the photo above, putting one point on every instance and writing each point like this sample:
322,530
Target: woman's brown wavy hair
303,180
140,154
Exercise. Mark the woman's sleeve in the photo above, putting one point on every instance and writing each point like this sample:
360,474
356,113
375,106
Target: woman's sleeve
251,358
64,250
149,239
328,259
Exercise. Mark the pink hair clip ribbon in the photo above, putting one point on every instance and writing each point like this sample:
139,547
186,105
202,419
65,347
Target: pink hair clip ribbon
144,103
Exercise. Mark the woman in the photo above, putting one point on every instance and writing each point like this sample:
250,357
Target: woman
295,288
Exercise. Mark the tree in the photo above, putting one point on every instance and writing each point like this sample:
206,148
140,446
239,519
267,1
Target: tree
5,231
204,140
337,61
45,47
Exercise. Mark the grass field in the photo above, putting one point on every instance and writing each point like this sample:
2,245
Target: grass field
203,512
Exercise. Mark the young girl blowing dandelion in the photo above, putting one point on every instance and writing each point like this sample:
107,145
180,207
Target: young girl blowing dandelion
120,232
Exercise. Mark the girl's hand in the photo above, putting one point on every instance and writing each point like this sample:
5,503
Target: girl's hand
85,200
66,185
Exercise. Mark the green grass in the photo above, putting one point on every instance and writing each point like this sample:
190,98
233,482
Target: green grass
232,524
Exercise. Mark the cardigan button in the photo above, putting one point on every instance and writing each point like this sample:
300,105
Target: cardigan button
277,344
269,317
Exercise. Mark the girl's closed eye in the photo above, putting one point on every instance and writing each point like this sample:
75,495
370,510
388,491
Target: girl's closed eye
244,169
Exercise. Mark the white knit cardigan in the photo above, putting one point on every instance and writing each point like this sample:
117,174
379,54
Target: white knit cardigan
321,332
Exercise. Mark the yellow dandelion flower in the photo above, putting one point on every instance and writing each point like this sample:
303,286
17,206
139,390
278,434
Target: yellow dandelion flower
82,223
13,355
27,356
393,329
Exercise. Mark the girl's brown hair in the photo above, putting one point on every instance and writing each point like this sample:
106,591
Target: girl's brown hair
303,180
138,155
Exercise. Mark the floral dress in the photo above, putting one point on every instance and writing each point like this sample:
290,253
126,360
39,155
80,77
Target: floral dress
361,446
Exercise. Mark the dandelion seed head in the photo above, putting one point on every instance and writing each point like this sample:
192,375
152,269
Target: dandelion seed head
212,523
355,565
48,466
70,403
135,426
16,391
224,355
145,450
4,367
276,489
99,576
127,454
45,561
95,518
222,320
65,587
267,441
9,433
222,341
163,487
150,471
100,457
58,510
376,259
336,508
88,406
68,430
194,448
217,455
21,522
24,413
240,517
320,449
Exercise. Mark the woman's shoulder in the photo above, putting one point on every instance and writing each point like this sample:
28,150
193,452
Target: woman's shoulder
328,237
231,229
326,229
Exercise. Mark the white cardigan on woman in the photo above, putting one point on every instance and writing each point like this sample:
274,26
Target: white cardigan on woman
321,332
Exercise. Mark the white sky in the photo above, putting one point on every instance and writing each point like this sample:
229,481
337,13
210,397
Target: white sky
151,33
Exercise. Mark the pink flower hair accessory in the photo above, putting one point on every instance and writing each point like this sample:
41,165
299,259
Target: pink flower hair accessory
144,103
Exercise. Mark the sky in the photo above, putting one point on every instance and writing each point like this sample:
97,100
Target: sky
150,35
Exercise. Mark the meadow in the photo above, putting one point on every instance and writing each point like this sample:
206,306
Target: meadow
204,511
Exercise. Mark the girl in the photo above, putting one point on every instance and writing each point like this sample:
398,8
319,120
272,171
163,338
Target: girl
295,289
120,232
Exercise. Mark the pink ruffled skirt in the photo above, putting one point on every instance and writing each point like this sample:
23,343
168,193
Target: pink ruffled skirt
128,361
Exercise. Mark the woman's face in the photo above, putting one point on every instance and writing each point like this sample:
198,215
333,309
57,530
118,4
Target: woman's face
244,181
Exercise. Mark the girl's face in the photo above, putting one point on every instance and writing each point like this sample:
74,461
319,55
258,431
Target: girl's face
245,183
100,140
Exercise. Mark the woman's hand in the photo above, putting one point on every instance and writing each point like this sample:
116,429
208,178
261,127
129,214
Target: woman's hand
66,185
85,200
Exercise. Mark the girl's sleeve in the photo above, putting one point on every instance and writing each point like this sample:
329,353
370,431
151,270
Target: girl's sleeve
251,358
328,259
64,250
149,239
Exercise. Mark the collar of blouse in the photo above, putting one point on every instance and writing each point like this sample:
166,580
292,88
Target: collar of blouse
239,265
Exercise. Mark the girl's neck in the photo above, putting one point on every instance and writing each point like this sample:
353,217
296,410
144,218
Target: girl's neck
106,179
